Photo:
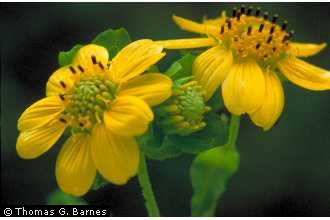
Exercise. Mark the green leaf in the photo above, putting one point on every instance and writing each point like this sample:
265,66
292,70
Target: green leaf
99,182
157,146
210,172
182,67
66,57
113,40
58,197
214,134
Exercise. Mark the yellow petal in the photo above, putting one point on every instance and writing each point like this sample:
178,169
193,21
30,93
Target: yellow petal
189,25
272,106
304,74
75,170
211,68
62,81
115,157
134,59
195,27
243,90
153,88
40,113
92,58
34,142
304,49
128,116
216,21
187,43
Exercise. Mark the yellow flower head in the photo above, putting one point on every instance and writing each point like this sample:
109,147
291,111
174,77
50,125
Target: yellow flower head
105,104
247,51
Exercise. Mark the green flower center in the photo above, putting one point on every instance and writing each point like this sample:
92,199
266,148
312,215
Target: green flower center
91,97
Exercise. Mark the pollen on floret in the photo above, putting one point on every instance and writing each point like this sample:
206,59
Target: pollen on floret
251,33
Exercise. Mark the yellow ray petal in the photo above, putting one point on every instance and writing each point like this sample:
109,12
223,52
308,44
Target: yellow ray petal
305,49
128,116
62,81
272,107
153,88
189,25
40,113
216,21
134,59
243,90
93,59
187,43
304,74
34,142
115,157
195,27
211,68
75,170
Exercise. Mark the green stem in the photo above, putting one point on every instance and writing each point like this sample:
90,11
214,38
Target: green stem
233,131
145,184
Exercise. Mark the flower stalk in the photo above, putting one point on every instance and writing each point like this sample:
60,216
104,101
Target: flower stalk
233,131
148,194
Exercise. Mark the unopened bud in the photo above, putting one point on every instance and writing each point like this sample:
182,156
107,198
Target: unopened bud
183,113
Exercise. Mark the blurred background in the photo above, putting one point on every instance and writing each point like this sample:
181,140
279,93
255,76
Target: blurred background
283,172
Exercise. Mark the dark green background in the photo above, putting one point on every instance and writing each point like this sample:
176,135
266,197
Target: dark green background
283,172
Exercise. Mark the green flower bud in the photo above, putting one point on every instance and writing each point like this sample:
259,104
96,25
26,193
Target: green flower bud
183,113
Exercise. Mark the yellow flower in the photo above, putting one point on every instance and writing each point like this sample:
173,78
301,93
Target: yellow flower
105,103
247,52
